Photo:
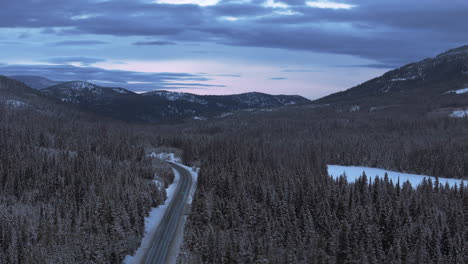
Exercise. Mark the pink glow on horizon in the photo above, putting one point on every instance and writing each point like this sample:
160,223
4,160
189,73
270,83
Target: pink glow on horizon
253,77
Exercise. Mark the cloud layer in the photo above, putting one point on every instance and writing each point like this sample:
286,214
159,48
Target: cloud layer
136,81
320,46
382,30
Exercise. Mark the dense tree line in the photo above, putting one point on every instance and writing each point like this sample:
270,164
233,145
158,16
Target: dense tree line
72,190
264,195
75,188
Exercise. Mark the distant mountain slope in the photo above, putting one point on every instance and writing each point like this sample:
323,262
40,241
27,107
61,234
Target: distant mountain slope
15,94
35,82
429,82
18,96
160,105
79,92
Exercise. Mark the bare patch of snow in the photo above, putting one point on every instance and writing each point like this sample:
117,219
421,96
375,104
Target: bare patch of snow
404,79
15,103
386,89
120,90
171,157
80,85
354,108
459,114
353,173
459,91
225,114
176,96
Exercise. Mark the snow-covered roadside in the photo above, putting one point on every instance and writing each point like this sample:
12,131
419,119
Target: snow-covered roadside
171,157
179,239
156,214
353,173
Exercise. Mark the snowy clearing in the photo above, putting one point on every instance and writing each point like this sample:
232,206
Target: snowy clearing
156,214
354,108
353,173
459,113
15,103
120,90
404,79
201,118
460,91
171,157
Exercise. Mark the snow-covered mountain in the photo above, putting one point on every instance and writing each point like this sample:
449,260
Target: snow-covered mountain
231,102
79,92
160,105
176,96
438,82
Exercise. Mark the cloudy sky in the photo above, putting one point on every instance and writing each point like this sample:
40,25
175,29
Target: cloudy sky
306,47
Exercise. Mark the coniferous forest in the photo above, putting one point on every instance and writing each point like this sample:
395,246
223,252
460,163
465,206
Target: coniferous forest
265,197
72,189
75,188
233,132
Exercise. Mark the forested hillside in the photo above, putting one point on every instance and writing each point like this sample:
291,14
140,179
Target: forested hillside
72,190
264,195
75,187
433,84
159,106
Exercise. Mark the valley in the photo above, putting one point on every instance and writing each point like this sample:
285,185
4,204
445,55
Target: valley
233,132
80,174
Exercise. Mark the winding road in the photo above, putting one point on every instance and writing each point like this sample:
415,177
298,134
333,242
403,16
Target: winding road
166,231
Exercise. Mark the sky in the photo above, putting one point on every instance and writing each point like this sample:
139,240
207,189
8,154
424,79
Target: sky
306,47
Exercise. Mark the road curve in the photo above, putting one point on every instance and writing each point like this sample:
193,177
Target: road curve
165,233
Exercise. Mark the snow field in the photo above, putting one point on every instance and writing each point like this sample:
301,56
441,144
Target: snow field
354,172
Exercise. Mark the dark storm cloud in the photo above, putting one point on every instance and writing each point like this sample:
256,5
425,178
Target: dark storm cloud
137,81
154,43
390,32
84,61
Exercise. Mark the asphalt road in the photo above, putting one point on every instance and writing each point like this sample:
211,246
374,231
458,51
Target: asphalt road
165,234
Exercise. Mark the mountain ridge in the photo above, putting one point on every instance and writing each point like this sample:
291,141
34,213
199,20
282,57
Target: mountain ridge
160,105
420,84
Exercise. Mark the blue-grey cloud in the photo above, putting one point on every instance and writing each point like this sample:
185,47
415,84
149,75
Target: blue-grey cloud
278,78
390,32
293,2
301,70
10,42
136,81
154,43
239,10
229,75
205,52
79,43
371,65
84,61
